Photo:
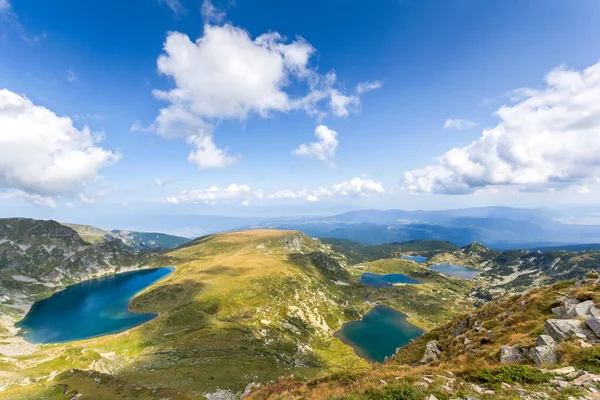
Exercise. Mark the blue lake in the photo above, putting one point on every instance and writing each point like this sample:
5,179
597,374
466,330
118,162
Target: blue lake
88,309
380,332
377,281
414,258
456,270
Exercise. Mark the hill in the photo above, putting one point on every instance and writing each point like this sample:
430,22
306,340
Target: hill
507,349
137,240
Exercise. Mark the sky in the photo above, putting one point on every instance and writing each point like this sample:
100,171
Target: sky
245,108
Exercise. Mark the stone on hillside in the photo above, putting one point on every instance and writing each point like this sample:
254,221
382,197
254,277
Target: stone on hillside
563,371
431,397
561,329
510,355
580,310
542,355
594,324
586,378
545,340
595,312
560,312
432,352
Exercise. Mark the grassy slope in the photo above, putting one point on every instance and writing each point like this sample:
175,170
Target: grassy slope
239,308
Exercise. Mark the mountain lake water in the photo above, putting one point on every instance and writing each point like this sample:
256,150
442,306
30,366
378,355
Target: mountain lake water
456,270
378,334
377,281
418,259
89,309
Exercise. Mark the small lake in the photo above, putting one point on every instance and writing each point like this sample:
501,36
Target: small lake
88,309
377,281
380,332
456,270
414,258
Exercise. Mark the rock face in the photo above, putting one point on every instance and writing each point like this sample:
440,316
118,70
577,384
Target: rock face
560,329
432,352
594,324
545,340
511,355
542,355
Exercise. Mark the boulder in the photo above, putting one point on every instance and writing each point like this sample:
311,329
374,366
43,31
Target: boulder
545,340
511,355
542,355
560,329
585,378
432,352
594,324
579,310
560,312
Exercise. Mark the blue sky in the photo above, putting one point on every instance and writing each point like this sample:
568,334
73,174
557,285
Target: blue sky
425,63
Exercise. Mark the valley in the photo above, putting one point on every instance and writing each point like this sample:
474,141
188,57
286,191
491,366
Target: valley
245,308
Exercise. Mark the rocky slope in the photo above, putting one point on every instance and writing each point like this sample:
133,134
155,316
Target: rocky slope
135,240
543,344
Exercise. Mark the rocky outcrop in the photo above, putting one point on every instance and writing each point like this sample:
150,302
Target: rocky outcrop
562,329
432,352
594,324
511,355
545,340
542,355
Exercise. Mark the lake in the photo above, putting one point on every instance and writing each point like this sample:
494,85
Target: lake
380,332
457,270
88,309
414,258
377,281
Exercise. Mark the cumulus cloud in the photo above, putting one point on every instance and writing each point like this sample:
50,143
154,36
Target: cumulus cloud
226,74
454,123
549,138
43,154
323,149
244,195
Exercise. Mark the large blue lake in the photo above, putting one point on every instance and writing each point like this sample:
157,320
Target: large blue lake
377,281
380,332
457,270
88,309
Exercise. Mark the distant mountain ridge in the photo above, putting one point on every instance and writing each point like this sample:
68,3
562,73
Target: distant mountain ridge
139,240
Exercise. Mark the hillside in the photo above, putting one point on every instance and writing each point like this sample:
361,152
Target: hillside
508,349
137,240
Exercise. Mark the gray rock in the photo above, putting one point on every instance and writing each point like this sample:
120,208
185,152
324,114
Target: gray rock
579,310
561,329
432,352
594,324
542,355
511,355
545,340
560,312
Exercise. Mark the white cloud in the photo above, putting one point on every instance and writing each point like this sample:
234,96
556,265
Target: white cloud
550,138
367,86
210,13
207,155
225,74
71,76
36,199
244,195
454,123
324,149
162,182
583,190
174,5
42,153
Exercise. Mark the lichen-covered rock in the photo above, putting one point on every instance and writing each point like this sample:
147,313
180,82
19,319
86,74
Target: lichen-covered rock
511,355
561,329
545,340
542,355
579,310
432,352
